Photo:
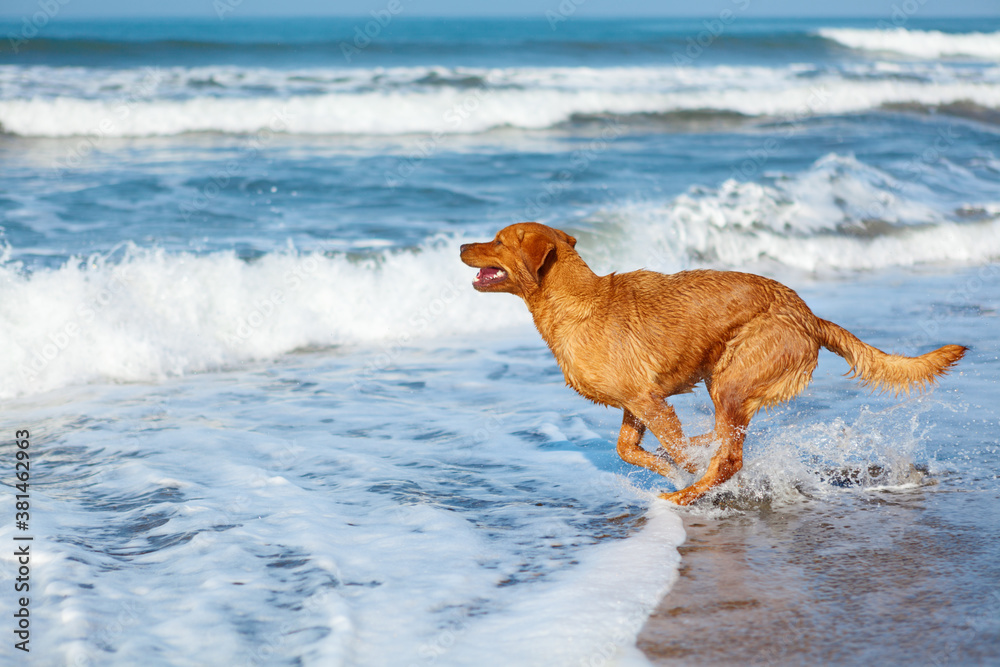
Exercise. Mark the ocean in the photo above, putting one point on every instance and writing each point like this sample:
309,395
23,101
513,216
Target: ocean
269,421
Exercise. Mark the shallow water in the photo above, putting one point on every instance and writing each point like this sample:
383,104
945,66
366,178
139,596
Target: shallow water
302,518
897,577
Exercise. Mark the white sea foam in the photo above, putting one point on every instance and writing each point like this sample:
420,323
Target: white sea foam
930,44
401,102
838,215
155,314
619,584
306,520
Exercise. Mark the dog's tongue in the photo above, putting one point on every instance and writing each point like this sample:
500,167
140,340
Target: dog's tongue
487,274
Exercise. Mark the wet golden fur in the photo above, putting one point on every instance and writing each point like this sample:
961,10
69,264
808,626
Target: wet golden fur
632,340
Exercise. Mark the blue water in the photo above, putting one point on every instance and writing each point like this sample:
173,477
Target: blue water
298,42
264,398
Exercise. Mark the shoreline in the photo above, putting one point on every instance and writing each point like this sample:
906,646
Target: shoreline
884,578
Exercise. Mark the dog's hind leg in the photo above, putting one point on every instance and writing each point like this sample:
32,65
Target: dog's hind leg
769,361
730,430
631,451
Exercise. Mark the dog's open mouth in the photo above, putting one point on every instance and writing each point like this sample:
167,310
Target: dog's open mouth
489,276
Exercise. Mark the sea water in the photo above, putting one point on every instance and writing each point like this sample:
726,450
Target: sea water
270,420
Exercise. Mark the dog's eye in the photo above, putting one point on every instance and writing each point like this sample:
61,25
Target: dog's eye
496,243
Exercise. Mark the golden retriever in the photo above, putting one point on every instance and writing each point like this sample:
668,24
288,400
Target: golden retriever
632,340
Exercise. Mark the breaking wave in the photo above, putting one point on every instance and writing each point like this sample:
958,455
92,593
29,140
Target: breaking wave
151,314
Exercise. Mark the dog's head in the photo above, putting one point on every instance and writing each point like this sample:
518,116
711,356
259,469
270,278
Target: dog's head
517,259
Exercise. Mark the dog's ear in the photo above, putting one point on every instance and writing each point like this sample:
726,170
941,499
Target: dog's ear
535,249
563,236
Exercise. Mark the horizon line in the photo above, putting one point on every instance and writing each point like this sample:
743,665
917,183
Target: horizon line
539,17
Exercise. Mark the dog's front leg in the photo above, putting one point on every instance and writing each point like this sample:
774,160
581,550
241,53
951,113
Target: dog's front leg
631,451
661,419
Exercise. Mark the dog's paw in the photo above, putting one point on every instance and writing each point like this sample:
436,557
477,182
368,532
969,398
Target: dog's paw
684,496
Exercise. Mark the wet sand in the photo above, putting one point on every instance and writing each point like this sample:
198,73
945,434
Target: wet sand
877,578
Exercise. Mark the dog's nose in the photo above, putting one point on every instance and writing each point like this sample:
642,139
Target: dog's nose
465,246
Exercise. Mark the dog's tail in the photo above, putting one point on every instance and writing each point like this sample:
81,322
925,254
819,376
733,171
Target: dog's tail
887,372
